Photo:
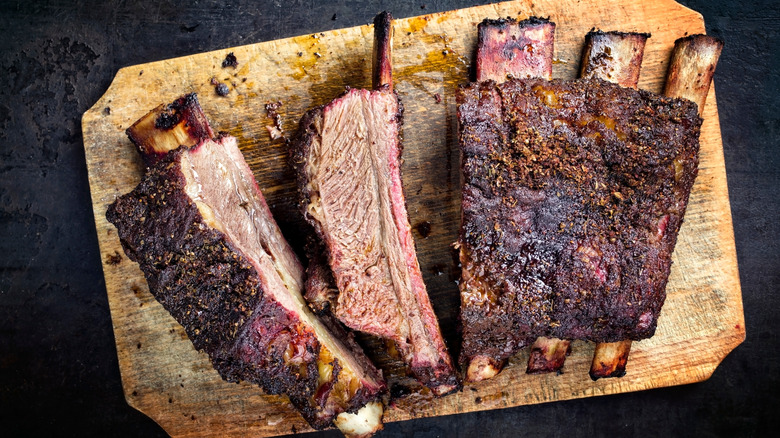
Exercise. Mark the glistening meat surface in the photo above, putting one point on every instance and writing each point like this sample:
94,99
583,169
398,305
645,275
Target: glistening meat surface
347,157
573,195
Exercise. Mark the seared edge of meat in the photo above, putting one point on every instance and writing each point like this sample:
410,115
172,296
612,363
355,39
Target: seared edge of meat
547,355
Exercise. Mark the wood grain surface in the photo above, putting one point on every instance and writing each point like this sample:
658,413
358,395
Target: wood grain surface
164,377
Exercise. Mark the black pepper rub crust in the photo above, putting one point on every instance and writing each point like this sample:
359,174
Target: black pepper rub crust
213,290
573,195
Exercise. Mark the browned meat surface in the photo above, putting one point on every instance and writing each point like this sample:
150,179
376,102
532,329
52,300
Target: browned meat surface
213,256
347,156
573,195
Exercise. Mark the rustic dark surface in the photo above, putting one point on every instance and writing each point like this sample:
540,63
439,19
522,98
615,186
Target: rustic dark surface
58,367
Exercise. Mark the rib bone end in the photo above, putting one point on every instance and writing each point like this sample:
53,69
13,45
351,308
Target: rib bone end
382,67
609,359
521,49
362,424
165,128
548,355
613,56
482,368
691,68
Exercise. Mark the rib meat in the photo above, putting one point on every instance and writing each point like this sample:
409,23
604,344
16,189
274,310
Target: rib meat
347,155
509,48
614,57
573,195
690,72
214,257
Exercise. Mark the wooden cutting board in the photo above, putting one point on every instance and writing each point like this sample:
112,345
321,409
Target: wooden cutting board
164,377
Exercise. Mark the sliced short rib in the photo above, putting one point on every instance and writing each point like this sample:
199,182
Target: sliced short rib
347,155
573,195
213,256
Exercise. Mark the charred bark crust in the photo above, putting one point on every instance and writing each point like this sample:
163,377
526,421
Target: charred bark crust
212,290
571,208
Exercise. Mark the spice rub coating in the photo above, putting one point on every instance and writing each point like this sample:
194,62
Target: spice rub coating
573,195
209,287
229,279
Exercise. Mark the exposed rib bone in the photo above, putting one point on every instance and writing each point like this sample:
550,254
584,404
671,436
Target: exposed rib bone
382,65
691,68
609,359
165,128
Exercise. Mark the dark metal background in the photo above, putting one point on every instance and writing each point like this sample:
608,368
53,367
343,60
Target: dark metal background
58,368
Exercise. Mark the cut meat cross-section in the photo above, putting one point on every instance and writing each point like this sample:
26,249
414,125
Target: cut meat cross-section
214,257
347,155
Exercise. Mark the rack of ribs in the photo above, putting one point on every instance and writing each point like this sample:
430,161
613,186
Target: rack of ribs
573,195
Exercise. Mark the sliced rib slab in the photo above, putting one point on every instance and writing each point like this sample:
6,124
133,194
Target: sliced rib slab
348,158
214,257
347,155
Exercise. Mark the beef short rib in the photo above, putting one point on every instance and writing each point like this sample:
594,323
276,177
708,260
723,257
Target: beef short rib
214,257
573,194
347,155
